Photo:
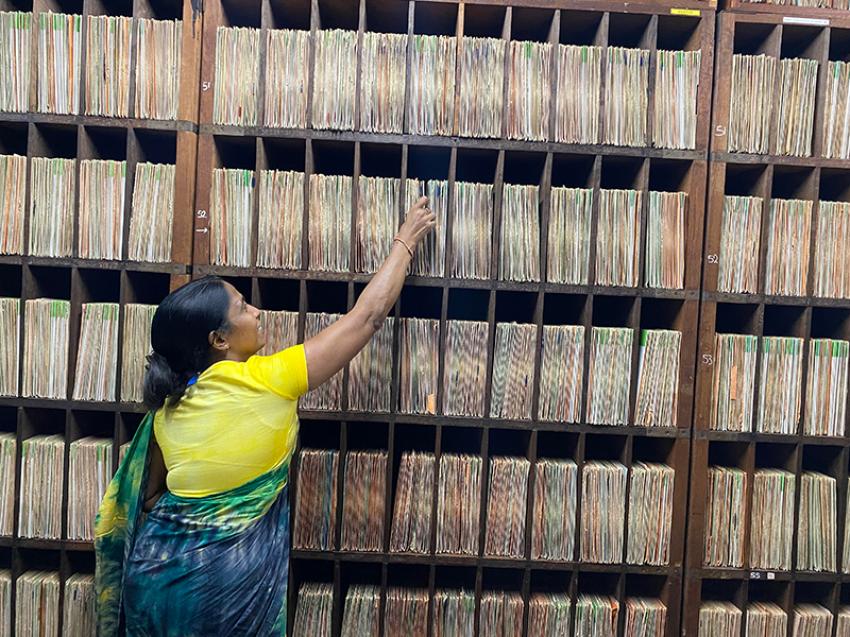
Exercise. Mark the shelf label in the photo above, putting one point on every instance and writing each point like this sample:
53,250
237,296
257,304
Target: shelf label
762,575
817,22
692,12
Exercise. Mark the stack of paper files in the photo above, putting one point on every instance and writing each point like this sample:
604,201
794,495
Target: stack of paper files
13,176
430,256
465,374
40,497
97,354
788,244
529,90
334,79
37,603
281,219
579,94
780,385
471,231
419,354
735,359
235,90
506,507
102,187
513,371
645,617
836,126
158,62
52,196
618,237
453,612
626,101
433,60
603,512
382,82
676,83
60,50
816,533
772,520
314,610
458,502
79,618
740,233
287,68
406,611
370,373
314,522
330,223
364,500
361,615
753,94
812,619
665,240
650,513
832,250
280,328
596,616
231,216
8,456
724,518
658,378
765,619
561,369
135,349
554,514
377,221
89,473
719,619
519,250
568,256
481,95
10,345
549,614
108,65
414,493
609,375
152,219
795,115
46,326
15,60
501,614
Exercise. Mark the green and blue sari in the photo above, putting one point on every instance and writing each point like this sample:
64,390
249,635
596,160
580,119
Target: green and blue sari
216,565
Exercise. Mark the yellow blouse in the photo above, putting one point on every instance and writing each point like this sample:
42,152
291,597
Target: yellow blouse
238,421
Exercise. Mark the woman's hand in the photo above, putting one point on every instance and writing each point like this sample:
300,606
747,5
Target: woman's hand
418,223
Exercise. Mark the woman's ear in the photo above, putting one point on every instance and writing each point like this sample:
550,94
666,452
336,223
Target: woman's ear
217,341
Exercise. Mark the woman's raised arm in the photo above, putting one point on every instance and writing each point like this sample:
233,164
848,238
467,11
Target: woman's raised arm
334,347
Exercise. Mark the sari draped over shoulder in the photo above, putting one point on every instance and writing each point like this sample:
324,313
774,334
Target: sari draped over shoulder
214,565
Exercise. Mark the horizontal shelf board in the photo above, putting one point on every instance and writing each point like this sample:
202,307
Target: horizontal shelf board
90,120
480,561
778,160
448,282
758,299
448,142
753,437
95,264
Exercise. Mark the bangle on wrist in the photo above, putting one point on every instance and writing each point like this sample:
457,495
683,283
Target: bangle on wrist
405,244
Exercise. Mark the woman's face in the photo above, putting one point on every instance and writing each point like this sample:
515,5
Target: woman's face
245,336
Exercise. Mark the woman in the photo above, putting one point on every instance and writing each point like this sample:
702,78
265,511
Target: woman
210,462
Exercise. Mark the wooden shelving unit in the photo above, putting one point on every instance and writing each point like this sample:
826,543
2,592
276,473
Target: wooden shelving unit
82,280
768,176
495,161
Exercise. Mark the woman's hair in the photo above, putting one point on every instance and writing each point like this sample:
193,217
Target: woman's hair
180,338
